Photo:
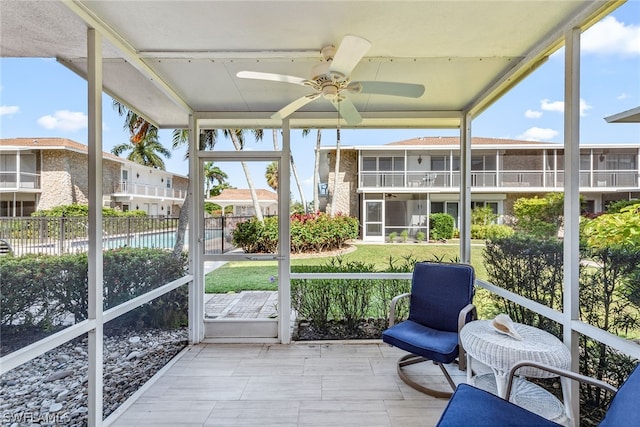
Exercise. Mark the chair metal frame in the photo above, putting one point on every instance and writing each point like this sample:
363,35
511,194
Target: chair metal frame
411,359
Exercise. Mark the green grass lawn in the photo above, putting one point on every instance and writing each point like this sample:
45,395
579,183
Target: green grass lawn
262,275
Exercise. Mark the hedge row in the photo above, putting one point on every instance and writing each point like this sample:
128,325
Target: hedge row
46,290
314,232
320,301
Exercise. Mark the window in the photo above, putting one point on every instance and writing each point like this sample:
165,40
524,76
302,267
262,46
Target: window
125,175
168,182
369,163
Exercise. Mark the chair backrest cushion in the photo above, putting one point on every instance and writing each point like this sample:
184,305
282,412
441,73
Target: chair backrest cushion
624,409
438,292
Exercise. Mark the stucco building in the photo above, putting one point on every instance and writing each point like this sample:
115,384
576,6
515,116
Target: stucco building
41,173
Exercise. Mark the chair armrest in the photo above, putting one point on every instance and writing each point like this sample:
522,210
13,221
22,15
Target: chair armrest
558,371
462,320
392,309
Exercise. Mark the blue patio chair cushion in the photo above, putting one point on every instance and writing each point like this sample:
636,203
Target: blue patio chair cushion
624,409
470,406
438,292
441,346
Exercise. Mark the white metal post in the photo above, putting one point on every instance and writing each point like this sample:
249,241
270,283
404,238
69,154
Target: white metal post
196,268
94,138
465,188
284,248
572,204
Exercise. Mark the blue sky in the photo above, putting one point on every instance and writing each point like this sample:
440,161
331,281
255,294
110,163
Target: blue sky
41,98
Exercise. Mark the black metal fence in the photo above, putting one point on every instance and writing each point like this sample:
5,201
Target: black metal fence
56,236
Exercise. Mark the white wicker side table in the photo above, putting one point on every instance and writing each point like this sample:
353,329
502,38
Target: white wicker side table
500,352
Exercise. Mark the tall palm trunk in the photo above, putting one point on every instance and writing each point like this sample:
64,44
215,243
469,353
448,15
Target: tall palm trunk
252,190
316,175
294,170
335,175
183,221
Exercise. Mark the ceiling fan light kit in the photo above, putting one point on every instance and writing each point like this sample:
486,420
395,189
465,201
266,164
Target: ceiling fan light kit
331,80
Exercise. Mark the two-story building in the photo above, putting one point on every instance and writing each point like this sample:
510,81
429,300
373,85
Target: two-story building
41,173
396,186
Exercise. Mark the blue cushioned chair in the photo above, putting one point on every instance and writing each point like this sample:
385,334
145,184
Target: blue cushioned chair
471,406
440,303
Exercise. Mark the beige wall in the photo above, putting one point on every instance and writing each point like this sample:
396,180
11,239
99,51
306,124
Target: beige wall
65,178
346,197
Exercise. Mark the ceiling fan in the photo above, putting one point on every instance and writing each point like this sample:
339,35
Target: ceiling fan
331,80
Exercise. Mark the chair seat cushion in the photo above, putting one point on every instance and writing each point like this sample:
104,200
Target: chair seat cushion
420,340
470,406
624,409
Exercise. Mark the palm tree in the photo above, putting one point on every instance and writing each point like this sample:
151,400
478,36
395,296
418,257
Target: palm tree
316,174
146,151
272,175
294,170
212,174
335,175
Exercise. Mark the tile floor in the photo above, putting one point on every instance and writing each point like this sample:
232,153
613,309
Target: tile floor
303,384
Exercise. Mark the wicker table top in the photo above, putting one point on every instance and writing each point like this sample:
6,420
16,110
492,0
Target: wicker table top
500,352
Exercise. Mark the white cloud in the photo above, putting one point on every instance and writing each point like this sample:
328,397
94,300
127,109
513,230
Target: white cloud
623,96
7,110
308,181
558,106
64,120
538,134
611,36
533,114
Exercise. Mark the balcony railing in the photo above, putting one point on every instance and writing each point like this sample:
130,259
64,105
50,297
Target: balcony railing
499,179
22,180
127,188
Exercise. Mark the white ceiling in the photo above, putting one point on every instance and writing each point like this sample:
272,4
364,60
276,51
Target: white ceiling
166,59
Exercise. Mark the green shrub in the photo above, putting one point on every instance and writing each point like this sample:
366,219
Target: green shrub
616,207
441,226
43,290
404,235
420,236
490,231
392,236
529,267
483,216
539,217
315,232
76,210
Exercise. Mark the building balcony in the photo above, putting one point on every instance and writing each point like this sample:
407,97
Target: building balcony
597,180
19,181
128,189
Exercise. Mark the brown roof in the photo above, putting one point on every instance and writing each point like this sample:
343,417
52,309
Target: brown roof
235,194
454,140
53,143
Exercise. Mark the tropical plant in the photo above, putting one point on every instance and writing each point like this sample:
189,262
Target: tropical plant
316,173
612,229
335,174
294,169
146,151
271,175
212,174
540,217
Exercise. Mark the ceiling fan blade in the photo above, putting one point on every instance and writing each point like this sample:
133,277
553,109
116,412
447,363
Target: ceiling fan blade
289,109
273,77
409,90
348,111
349,53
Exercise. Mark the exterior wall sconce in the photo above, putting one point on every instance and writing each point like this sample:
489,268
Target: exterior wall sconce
161,179
601,157
420,159
161,208
137,207
137,175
